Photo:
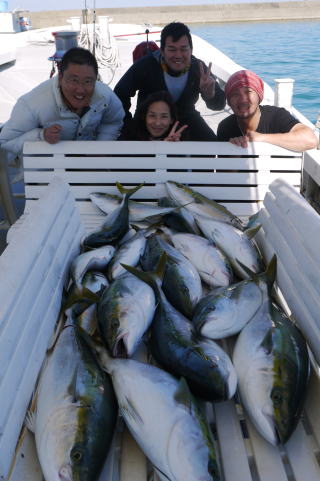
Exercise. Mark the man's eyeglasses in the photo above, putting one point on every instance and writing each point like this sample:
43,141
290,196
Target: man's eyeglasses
75,82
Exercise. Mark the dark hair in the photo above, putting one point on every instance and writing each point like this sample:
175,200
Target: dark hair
140,116
79,56
176,30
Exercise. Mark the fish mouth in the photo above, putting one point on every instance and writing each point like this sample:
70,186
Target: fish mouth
120,348
65,473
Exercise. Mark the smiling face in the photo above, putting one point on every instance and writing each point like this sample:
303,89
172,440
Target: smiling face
77,85
177,55
244,102
158,119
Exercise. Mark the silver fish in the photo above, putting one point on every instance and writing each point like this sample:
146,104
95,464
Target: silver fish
91,260
272,363
165,421
182,283
236,244
138,211
225,311
125,312
128,253
213,266
116,224
199,204
75,414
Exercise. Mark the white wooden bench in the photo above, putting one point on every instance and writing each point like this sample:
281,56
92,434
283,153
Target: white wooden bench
36,263
236,177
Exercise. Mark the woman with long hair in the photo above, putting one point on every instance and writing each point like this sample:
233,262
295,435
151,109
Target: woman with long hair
156,119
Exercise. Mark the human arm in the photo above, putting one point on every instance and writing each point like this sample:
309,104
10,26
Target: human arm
22,126
51,134
174,134
298,139
127,87
210,90
112,120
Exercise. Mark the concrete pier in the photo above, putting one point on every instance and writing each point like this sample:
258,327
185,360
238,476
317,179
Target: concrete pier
218,13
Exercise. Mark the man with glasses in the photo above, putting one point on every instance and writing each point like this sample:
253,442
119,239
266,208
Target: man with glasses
175,69
70,106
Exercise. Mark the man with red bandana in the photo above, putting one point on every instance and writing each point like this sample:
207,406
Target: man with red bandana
175,69
252,122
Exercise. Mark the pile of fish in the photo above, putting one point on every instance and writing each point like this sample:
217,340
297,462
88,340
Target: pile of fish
180,276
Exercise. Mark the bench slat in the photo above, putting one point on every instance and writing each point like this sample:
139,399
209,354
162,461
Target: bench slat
155,147
231,442
192,178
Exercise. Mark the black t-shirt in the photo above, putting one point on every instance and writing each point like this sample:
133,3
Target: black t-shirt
273,120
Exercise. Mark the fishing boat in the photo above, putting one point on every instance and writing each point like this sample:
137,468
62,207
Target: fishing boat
58,212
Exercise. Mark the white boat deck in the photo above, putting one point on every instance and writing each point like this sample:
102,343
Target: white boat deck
35,47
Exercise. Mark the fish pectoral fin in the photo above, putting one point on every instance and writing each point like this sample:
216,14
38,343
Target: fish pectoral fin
183,395
251,232
132,412
267,342
72,388
30,421
161,475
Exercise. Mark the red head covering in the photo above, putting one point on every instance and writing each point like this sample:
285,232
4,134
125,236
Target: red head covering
143,49
244,78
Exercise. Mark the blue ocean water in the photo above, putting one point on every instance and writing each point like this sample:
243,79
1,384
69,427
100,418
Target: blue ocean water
274,50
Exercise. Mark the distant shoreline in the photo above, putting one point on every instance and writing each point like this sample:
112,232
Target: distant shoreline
218,13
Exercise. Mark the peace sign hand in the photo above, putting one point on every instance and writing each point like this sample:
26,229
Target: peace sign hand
207,81
174,134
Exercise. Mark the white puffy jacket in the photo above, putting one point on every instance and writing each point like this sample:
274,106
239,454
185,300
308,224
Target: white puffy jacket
44,106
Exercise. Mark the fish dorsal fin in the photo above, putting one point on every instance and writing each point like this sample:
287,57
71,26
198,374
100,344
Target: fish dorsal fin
97,348
268,276
80,294
251,232
253,275
152,278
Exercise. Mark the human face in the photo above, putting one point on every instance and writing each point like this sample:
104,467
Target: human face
244,102
77,85
158,119
177,55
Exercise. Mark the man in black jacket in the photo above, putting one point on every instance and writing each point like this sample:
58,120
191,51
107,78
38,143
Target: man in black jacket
175,69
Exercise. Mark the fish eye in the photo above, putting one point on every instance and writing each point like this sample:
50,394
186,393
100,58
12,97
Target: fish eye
276,397
76,455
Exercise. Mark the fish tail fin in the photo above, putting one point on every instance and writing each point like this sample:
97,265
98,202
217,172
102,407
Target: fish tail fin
128,192
30,421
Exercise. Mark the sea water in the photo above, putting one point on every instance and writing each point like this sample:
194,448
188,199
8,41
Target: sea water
274,50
